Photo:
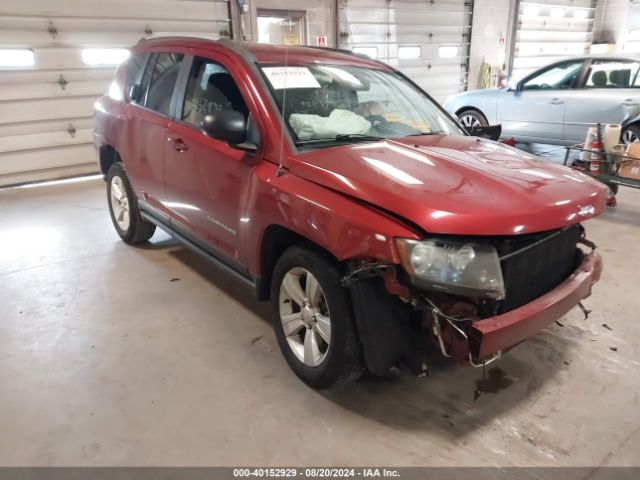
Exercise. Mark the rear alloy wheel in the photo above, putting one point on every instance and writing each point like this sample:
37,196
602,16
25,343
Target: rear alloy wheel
314,321
630,134
472,118
124,210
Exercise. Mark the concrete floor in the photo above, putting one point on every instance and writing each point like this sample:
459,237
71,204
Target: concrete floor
105,359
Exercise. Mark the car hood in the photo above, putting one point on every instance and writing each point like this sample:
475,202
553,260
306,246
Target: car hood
450,184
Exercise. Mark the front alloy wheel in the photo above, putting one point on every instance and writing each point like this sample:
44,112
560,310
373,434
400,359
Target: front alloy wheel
472,118
470,121
305,317
630,134
314,321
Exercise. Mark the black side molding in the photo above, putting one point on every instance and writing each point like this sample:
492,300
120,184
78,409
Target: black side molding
214,256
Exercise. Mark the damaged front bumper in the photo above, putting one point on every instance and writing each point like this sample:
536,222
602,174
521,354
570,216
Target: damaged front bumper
396,325
485,340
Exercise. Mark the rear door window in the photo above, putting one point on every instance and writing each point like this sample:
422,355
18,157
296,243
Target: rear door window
612,74
159,81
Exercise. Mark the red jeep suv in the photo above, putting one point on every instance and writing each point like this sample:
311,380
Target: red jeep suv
334,186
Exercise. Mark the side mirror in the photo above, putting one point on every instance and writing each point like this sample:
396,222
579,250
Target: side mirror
229,126
490,132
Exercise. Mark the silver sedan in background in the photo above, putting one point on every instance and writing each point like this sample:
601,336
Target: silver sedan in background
558,103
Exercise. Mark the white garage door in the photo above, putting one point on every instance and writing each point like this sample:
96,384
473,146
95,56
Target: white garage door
549,31
428,40
46,109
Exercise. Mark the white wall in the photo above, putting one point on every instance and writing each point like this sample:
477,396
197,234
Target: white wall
490,21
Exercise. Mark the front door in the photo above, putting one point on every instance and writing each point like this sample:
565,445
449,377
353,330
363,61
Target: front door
535,110
206,179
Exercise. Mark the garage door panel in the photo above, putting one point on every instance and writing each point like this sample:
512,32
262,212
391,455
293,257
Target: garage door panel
550,30
65,24
46,159
46,111
46,126
406,36
77,74
389,25
45,90
405,5
19,143
143,9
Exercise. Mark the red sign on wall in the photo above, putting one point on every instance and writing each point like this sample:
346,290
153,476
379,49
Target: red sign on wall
321,41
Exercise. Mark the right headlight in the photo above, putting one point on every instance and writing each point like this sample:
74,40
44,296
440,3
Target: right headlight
460,268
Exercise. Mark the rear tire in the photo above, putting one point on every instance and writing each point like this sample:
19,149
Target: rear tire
314,320
472,118
124,209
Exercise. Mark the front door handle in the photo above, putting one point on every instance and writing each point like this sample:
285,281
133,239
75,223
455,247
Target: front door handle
179,145
557,101
630,102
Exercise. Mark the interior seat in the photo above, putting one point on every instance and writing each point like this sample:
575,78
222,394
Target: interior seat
599,79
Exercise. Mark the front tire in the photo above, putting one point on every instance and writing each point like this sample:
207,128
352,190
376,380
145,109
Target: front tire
124,210
314,321
630,134
472,118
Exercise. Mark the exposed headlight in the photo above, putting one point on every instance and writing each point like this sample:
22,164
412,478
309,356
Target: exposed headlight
470,269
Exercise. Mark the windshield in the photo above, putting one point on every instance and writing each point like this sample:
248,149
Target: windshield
323,103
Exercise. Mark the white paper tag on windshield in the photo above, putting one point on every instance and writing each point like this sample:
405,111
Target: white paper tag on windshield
290,77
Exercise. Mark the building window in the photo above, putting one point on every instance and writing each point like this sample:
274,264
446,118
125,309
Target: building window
16,57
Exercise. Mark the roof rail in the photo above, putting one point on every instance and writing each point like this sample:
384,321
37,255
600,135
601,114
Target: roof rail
340,50
200,36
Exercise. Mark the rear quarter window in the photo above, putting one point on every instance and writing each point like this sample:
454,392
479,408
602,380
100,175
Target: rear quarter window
133,66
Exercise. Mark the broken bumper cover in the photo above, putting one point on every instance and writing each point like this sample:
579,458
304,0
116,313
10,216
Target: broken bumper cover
489,336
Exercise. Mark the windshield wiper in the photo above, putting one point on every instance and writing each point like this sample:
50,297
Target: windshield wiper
438,132
341,137
357,136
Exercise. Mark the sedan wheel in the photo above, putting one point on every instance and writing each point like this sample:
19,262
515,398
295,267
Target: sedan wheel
305,317
470,121
472,118
630,134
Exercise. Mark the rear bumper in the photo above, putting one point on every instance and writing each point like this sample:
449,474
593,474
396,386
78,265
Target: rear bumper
494,334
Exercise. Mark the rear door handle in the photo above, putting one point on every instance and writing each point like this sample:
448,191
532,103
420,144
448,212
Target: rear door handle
179,145
557,101
630,102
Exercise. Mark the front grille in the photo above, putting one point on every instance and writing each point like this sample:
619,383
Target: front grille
536,270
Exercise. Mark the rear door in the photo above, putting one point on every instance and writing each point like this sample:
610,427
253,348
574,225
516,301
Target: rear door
535,110
150,117
610,93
